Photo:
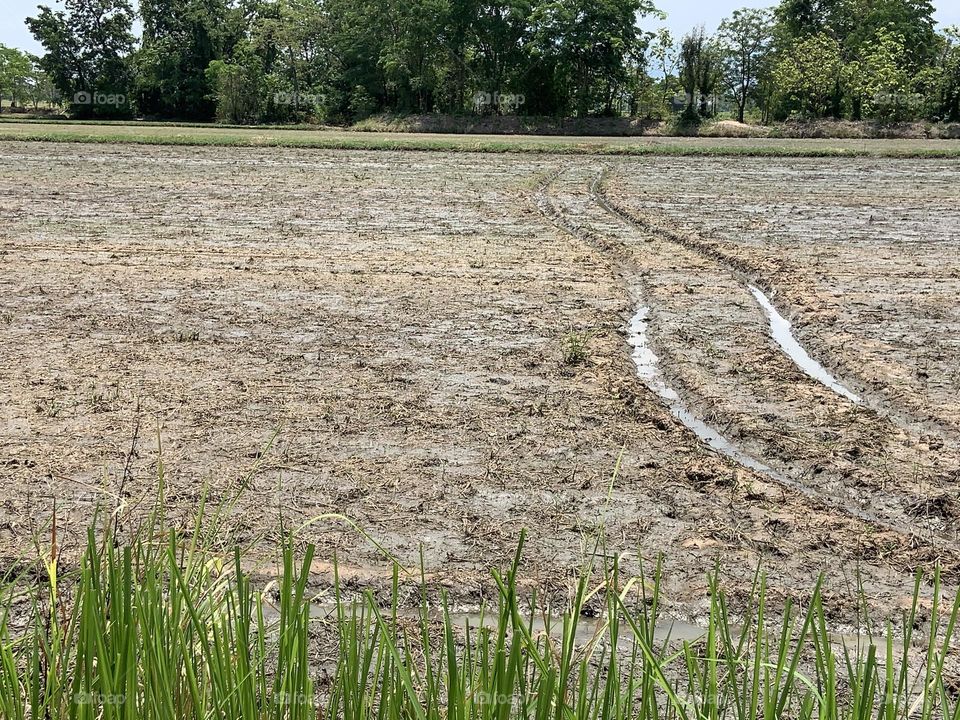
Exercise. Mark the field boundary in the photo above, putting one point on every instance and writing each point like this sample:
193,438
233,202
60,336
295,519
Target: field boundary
329,140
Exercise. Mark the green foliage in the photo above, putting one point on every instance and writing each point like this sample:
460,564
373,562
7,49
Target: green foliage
943,79
691,49
290,61
162,626
807,74
587,46
17,74
88,49
876,56
180,40
878,84
576,347
744,43
700,70
157,627
291,36
238,88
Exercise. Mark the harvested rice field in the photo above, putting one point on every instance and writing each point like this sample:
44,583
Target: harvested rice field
733,359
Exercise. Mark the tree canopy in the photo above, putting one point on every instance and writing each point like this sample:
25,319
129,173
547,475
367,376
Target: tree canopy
343,60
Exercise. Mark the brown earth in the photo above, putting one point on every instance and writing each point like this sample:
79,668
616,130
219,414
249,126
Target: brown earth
396,323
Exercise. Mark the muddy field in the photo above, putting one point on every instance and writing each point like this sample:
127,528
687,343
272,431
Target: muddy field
387,336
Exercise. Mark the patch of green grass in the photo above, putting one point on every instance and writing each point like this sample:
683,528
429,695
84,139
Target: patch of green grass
160,627
576,347
218,136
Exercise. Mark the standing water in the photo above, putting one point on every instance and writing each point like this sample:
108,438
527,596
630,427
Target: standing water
782,331
648,370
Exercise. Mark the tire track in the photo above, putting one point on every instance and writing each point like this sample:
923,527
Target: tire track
748,276
626,268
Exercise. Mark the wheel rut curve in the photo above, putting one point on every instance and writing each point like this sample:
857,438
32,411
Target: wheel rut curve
747,275
623,264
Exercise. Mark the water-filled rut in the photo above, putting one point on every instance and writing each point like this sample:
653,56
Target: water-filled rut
781,330
616,236
648,370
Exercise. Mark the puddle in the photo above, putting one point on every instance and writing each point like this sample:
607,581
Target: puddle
648,370
588,628
782,331
665,630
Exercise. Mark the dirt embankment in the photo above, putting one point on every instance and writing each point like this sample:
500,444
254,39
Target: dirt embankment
639,127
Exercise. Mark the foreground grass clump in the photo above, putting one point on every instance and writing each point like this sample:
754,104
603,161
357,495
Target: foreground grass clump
159,627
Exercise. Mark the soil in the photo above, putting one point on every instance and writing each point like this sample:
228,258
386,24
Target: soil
381,335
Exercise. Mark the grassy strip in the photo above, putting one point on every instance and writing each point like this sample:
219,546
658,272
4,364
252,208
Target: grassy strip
319,140
161,628
15,119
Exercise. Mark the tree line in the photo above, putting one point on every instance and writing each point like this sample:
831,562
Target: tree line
338,61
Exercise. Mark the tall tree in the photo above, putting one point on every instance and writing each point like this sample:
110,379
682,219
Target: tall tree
807,73
588,44
948,76
500,40
180,40
744,40
88,47
662,52
698,73
16,71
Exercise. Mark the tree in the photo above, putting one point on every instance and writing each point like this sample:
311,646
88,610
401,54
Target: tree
807,73
708,76
16,70
744,40
39,88
290,36
939,83
499,59
180,40
878,84
950,76
385,54
588,44
662,51
238,88
857,27
699,73
911,20
88,47
691,50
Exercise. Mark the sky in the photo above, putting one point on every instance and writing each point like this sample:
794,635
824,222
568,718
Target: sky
682,15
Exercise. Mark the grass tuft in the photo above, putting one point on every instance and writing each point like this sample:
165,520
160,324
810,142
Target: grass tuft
160,628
